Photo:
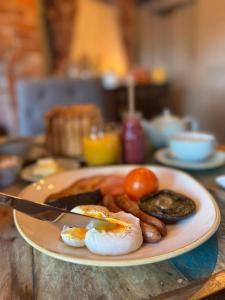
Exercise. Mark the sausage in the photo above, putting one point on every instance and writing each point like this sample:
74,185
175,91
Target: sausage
128,205
109,202
150,233
152,221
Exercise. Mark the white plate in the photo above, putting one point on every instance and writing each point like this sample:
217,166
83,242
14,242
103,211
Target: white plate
181,237
220,180
65,163
163,156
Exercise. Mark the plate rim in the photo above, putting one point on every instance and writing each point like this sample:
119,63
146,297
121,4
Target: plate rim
184,165
127,262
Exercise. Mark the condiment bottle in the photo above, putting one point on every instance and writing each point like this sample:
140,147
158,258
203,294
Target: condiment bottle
133,139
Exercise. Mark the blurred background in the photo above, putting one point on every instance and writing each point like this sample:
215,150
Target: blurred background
62,52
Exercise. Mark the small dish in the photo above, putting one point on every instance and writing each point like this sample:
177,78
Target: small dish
65,164
164,156
19,146
28,148
10,165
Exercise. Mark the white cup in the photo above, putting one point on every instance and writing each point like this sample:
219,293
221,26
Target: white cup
192,146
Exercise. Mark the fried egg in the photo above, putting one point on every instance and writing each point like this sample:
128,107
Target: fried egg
114,238
74,236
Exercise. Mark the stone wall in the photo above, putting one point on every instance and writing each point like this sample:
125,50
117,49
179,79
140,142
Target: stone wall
59,19
22,37
23,48
37,37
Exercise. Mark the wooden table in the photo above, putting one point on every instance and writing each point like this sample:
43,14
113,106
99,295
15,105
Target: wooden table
28,274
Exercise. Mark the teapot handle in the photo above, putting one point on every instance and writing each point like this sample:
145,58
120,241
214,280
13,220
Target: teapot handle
145,124
191,124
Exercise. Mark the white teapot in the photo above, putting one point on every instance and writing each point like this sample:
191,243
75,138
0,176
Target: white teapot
162,127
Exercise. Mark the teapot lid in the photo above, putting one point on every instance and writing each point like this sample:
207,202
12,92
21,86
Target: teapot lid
166,116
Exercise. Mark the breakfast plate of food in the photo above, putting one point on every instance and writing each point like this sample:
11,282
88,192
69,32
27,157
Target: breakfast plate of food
142,215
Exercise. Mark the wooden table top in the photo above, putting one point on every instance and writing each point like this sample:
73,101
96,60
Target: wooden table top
27,274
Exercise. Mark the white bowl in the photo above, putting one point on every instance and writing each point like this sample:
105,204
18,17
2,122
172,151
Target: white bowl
9,173
192,146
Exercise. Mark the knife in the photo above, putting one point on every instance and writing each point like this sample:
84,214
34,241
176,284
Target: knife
55,215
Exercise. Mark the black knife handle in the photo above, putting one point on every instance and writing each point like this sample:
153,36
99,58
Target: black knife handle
5,199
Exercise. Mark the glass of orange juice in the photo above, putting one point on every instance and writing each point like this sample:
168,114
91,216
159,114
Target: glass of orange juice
102,146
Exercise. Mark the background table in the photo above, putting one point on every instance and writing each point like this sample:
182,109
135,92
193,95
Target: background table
28,274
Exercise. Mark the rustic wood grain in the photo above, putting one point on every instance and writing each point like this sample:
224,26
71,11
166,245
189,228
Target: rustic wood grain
16,257
66,281
15,262
201,289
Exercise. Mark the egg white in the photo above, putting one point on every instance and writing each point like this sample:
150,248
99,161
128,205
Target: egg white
109,242
72,239
122,236
69,236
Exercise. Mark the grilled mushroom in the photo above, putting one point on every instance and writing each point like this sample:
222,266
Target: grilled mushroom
167,205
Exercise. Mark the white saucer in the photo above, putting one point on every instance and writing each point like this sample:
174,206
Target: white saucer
66,164
163,156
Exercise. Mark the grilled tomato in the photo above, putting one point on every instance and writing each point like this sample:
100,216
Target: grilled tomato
140,182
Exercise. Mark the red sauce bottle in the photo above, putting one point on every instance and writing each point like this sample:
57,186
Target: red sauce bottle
133,139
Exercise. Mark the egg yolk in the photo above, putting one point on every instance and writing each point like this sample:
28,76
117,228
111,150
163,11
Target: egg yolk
109,227
117,221
78,233
97,214
90,212
103,216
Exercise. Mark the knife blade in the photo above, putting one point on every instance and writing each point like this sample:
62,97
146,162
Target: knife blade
44,212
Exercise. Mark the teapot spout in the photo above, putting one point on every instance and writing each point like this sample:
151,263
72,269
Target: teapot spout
152,134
